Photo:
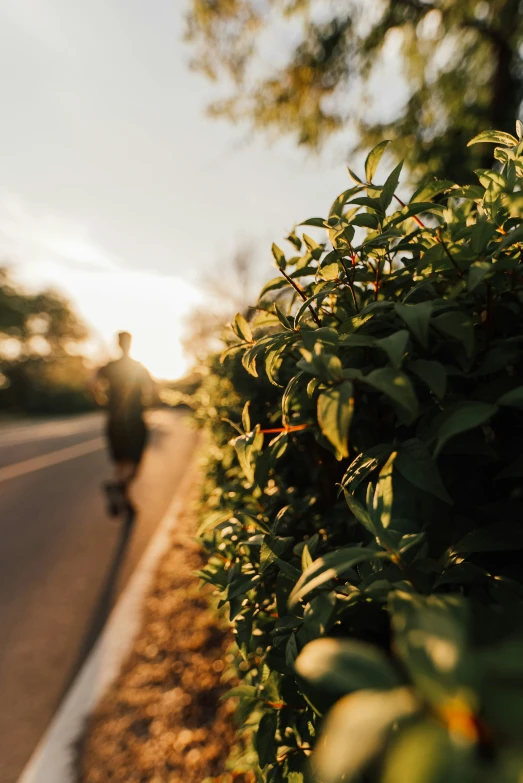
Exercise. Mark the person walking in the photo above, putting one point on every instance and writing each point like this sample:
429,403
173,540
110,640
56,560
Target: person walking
125,388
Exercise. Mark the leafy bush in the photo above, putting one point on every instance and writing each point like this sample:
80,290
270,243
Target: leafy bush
365,532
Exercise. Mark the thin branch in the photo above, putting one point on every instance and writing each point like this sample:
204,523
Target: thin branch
290,428
377,281
414,217
351,286
302,294
449,256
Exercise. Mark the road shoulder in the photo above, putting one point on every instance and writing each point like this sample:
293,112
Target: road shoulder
52,761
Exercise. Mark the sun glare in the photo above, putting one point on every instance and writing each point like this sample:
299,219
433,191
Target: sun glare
152,307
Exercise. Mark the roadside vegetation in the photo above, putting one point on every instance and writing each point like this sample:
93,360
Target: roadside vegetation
363,499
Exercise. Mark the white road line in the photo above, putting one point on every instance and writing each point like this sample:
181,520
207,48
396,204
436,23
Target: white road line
52,430
52,458
53,759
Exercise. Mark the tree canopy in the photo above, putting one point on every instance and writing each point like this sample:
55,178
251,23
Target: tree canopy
41,369
308,68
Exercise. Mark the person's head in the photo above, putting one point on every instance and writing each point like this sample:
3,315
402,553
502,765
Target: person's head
124,341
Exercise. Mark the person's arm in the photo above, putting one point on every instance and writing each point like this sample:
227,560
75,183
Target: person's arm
152,397
97,384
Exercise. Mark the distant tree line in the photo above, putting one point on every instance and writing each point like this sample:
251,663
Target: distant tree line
42,369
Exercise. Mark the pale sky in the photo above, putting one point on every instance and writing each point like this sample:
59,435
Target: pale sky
115,187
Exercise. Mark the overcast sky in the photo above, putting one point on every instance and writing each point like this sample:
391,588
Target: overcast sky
112,177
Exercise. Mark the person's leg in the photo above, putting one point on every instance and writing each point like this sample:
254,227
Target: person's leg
114,494
126,440
126,472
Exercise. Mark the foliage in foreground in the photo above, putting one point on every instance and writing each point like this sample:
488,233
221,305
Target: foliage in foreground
366,524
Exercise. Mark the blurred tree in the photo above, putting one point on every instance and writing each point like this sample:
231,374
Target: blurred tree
310,67
227,293
41,369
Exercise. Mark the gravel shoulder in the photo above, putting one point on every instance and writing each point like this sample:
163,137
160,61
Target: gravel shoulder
163,720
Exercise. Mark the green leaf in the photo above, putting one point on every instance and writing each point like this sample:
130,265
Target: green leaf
364,464
354,176
381,506
287,397
264,739
416,465
366,220
213,520
412,210
481,235
279,256
246,419
432,373
335,410
329,567
501,536
459,326
295,240
282,318
241,692
373,159
478,271
311,243
356,730
246,447
324,335
366,201
272,363
306,558
291,651
247,520
316,221
358,341
430,190
395,346
288,569
273,285
318,615
242,328
513,398
390,186
330,271
345,665
398,388
430,638
494,137
241,586
425,753
516,235
417,318
466,416
337,207
271,549
361,513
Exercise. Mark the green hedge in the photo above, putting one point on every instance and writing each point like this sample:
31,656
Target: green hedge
365,524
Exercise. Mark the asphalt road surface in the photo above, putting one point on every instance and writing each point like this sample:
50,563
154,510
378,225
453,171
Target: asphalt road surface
63,561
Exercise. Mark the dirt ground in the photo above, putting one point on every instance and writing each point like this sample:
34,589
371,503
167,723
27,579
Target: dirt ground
162,721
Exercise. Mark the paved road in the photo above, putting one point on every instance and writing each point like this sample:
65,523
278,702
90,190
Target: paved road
63,562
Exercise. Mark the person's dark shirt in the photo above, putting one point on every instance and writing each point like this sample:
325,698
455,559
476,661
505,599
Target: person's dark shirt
127,383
